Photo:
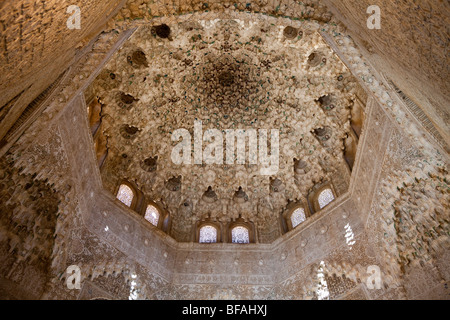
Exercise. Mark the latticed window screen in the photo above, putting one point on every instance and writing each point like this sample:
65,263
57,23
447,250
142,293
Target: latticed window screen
297,217
240,235
325,197
152,215
208,234
125,195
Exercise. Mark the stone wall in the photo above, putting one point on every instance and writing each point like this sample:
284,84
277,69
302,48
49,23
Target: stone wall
28,211
411,48
37,46
408,220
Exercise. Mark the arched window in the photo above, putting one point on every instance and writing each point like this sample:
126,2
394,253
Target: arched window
208,234
325,197
125,195
298,216
152,215
240,234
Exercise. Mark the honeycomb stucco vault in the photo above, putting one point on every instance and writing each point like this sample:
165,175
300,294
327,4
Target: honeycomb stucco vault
395,203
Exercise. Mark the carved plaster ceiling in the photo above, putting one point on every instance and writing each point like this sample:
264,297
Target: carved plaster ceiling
229,74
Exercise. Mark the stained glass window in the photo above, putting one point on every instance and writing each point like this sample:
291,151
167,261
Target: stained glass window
208,234
152,215
297,217
325,197
125,194
240,235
